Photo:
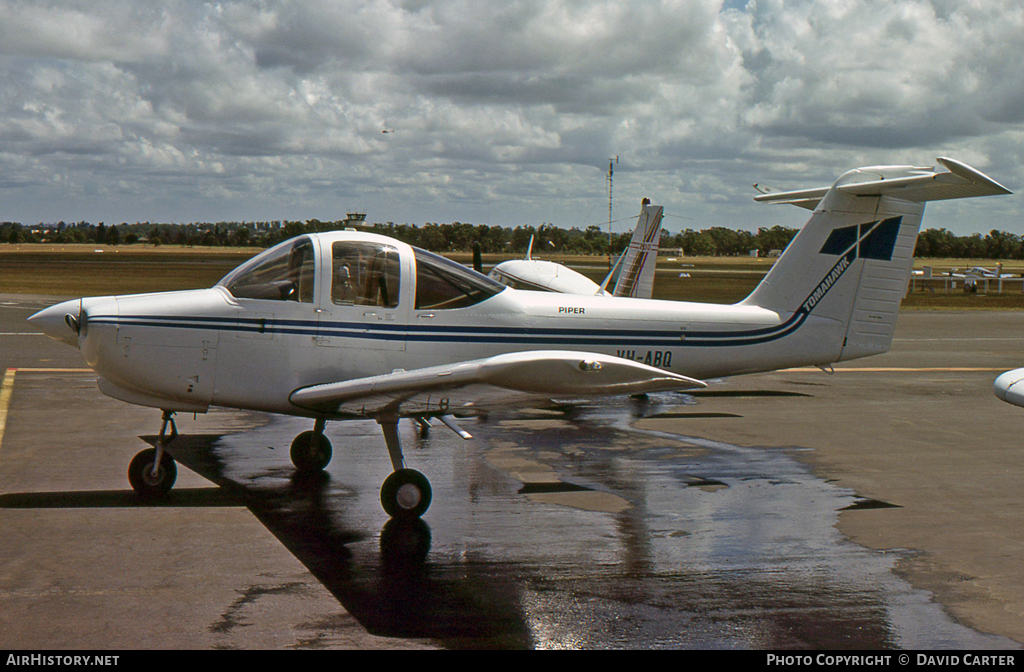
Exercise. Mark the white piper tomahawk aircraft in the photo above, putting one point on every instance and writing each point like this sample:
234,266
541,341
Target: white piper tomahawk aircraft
347,325
636,279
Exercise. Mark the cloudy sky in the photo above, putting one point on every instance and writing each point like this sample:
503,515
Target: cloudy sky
503,113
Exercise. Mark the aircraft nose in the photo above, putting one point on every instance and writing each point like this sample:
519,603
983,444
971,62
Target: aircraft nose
1009,387
59,321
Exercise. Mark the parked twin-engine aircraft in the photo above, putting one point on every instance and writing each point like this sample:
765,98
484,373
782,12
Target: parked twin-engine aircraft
346,325
636,277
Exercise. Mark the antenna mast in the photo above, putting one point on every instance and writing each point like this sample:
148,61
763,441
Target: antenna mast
611,174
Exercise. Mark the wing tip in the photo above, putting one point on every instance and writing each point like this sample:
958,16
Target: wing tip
962,170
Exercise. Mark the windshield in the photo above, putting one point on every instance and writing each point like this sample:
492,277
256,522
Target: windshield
282,273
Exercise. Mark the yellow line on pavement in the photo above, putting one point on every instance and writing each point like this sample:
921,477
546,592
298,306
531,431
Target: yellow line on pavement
5,399
53,370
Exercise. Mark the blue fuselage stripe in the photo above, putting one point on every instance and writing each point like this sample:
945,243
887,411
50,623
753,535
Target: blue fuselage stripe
441,334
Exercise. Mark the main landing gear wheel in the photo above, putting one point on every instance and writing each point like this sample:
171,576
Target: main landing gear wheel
144,481
405,494
309,455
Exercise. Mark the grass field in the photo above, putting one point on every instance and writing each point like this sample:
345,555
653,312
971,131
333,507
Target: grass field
90,270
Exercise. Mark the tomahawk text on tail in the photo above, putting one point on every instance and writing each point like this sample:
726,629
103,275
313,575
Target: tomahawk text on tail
346,325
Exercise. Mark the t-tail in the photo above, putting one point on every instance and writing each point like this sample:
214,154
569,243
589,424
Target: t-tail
851,262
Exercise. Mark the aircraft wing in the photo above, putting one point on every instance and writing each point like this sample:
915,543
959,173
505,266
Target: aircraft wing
502,381
961,181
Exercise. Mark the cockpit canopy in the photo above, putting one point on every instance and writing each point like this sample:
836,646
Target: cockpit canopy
364,270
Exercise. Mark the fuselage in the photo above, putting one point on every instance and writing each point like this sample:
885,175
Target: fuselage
342,306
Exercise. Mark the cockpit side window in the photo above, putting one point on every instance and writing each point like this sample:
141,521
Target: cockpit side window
443,284
365,274
284,273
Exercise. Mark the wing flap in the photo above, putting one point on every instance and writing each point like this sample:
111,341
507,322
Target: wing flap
495,382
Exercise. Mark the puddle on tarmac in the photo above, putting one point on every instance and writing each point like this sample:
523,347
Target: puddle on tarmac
684,542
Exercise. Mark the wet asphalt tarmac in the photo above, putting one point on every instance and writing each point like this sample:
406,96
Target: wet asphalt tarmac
556,528
715,546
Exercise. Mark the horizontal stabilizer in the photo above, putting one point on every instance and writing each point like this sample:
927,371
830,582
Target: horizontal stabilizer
906,183
495,382
805,198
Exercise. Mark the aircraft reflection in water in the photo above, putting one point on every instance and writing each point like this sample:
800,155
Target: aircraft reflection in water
348,325
711,533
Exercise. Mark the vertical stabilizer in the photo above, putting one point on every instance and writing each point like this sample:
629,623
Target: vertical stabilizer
637,276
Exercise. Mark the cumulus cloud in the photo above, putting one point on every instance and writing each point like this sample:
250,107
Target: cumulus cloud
504,113
902,75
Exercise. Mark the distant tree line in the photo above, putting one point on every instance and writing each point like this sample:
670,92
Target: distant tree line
941,243
454,237
460,237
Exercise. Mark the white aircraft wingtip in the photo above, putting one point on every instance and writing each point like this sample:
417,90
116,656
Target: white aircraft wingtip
1008,387
964,171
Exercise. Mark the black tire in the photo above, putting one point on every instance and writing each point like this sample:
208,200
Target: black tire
310,459
405,494
142,480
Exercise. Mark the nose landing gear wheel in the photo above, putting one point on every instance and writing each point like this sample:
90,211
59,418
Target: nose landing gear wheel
144,481
405,494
